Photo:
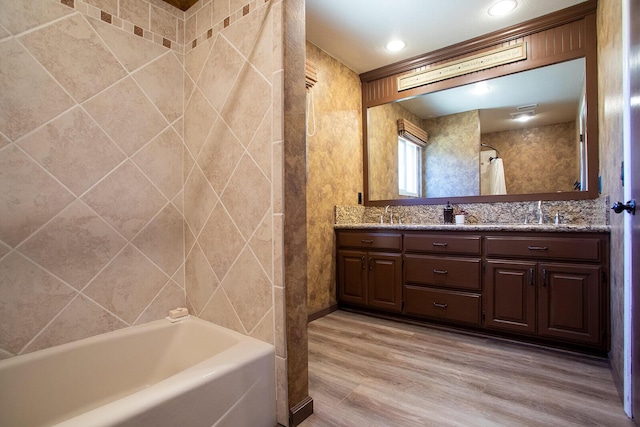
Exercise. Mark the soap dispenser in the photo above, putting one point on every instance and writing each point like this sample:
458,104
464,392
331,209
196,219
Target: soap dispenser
448,214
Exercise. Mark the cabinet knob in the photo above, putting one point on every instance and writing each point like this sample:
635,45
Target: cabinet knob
367,241
537,248
439,305
439,243
440,271
619,207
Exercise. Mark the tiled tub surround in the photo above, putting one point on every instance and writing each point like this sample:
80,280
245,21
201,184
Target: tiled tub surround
135,178
573,213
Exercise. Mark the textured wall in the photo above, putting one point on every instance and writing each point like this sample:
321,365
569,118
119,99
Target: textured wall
539,159
331,180
610,140
90,172
382,129
452,159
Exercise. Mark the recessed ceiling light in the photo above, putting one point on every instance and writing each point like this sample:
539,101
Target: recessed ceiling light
395,45
502,7
481,88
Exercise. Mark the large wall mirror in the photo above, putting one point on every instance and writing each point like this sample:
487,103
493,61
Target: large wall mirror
525,130
522,133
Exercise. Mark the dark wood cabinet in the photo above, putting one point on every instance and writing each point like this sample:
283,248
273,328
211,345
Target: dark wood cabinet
370,278
545,287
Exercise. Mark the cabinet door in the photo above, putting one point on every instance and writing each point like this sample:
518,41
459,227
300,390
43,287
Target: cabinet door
510,296
569,302
385,281
352,277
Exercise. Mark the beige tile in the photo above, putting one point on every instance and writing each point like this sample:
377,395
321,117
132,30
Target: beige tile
189,239
190,29
199,200
161,240
164,23
262,54
244,33
236,5
126,115
132,51
220,240
220,312
181,29
178,277
3,33
4,141
282,399
196,58
262,243
247,196
247,105
30,298
81,319
72,52
30,97
29,197
178,126
21,15
278,36
110,6
161,80
75,245
187,163
248,289
188,87
161,161
198,120
278,250
277,81
164,5
4,249
203,19
5,354
277,179
127,285
178,202
220,155
221,10
74,149
280,321
200,280
125,199
261,146
220,72
171,296
136,12
264,330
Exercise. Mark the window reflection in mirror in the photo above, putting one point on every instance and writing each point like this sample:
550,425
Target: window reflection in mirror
542,155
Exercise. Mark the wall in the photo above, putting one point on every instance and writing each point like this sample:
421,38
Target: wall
118,150
331,179
453,172
538,159
90,173
383,149
610,140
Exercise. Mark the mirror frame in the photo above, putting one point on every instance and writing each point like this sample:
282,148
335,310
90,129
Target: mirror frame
380,87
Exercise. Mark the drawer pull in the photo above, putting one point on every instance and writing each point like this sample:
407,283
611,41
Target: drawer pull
537,248
439,243
437,304
440,271
363,262
531,276
367,241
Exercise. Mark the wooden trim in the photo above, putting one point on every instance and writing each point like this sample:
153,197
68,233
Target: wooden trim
301,411
505,35
322,312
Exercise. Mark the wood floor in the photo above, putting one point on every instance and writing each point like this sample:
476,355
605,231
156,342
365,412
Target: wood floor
369,372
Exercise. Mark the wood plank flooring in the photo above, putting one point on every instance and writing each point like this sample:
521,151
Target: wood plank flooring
370,372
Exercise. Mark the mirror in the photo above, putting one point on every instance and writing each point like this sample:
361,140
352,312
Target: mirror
473,135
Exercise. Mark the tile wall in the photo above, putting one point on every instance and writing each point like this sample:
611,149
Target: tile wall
140,168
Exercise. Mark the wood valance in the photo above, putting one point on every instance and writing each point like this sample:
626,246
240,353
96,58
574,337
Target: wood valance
411,132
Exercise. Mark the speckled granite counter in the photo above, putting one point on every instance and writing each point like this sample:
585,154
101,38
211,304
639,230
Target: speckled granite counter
562,228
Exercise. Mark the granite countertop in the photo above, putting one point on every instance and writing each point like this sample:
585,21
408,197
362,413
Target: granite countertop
576,228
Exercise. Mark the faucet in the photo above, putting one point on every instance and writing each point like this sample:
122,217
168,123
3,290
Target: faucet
540,214
386,210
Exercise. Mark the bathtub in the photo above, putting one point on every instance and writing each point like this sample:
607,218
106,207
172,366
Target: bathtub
189,373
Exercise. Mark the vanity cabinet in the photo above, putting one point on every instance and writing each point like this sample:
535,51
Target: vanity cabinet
559,298
370,270
442,277
545,287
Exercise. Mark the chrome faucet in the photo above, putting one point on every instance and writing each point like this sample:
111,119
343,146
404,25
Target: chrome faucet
386,210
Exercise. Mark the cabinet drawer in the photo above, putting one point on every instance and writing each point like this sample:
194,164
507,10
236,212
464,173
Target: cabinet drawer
567,248
460,273
387,241
442,243
439,304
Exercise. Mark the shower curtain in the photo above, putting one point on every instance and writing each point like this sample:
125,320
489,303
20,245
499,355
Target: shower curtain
492,178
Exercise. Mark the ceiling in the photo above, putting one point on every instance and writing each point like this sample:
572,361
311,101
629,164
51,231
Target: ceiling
355,32
181,4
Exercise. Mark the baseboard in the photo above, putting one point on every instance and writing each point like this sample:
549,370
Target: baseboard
322,312
301,411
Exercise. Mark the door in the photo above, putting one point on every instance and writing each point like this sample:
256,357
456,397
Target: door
352,277
510,296
569,302
632,191
385,281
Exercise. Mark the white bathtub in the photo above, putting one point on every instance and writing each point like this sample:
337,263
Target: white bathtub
189,373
